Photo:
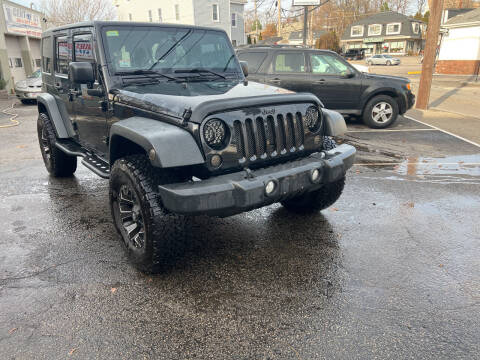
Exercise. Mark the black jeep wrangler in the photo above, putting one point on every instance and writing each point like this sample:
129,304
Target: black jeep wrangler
166,113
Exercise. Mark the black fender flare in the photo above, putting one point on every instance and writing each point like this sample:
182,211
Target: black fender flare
334,123
47,101
172,146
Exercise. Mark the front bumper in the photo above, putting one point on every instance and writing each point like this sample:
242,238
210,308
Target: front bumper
27,94
231,194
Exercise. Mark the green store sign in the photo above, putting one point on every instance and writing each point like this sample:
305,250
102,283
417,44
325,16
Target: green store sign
373,40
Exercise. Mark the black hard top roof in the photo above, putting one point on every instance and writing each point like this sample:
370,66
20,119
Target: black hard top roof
124,23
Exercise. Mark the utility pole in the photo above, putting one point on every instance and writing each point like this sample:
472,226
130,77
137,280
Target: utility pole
256,19
430,54
305,25
279,8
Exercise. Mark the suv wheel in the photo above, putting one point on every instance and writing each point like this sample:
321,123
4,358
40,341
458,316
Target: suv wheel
147,229
319,199
56,161
380,112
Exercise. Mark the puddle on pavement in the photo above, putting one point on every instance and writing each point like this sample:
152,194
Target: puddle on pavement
450,165
459,168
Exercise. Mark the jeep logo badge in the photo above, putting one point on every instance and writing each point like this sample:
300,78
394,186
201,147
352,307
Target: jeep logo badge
268,111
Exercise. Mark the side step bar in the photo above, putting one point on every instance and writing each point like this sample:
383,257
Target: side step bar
90,161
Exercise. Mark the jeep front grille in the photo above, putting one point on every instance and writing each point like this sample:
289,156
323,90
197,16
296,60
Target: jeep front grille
261,137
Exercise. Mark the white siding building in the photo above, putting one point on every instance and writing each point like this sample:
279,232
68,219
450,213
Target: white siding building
460,46
224,14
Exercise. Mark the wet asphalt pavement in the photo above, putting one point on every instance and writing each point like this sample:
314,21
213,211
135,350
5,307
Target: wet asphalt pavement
391,271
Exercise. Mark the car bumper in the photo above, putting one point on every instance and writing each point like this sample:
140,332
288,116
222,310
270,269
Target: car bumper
410,100
231,194
25,94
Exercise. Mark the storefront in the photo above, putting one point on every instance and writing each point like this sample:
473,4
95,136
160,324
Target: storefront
20,34
385,33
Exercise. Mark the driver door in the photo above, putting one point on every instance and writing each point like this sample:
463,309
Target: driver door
329,84
89,110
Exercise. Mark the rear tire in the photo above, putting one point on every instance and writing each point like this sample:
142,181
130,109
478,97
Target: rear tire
370,63
56,161
380,112
320,199
148,230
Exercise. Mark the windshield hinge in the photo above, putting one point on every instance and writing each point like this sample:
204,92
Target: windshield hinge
187,113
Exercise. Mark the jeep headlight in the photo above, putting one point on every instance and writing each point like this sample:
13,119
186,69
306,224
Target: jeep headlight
312,119
215,133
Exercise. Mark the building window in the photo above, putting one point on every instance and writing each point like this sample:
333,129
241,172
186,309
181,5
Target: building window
357,30
177,12
150,16
160,15
374,29
18,62
130,17
10,62
215,14
234,20
394,28
38,62
416,27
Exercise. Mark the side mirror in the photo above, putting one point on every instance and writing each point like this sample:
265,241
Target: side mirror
347,74
81,73
244,66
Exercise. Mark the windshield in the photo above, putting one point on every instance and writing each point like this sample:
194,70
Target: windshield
168,50
36,74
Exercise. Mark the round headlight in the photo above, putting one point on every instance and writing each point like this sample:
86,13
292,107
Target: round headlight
312,119
215,133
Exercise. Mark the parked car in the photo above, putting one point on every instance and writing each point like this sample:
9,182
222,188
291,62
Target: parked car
354,54
361,68
165,112
382,60
28,89
377,99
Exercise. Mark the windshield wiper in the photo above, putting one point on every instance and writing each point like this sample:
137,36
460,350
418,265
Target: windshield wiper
200,70
149,73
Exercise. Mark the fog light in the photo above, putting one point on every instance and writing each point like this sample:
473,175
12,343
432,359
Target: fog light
270,187
216,161
315,175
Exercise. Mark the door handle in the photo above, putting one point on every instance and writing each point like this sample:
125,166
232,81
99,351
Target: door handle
321,81
275,81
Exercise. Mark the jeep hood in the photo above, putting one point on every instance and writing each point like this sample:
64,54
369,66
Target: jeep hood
202,98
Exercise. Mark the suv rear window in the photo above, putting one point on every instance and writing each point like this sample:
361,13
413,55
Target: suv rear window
47,54
254,60
293,62
63,52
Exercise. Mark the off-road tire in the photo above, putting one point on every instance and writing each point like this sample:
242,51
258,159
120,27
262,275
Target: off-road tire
367,111
320,199
161,228
57,163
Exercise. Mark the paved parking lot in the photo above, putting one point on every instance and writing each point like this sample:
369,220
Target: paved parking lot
392,270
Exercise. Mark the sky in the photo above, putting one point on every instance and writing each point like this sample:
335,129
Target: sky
27,3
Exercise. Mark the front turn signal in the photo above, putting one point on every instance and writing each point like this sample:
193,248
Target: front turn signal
409,86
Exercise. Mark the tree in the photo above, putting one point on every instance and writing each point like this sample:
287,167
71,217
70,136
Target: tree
256,25
328,41
270,31
249,40
61,12
384,7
